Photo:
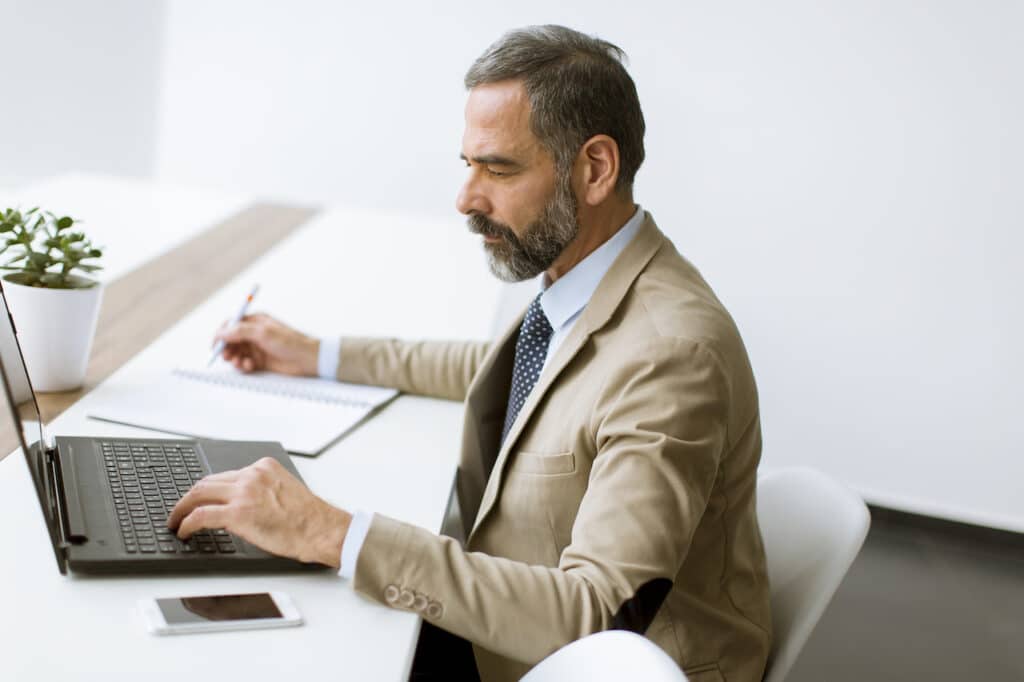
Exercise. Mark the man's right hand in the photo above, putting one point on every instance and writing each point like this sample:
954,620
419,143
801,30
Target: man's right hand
259,342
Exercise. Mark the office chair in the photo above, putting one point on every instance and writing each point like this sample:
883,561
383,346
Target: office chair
609,656
813,528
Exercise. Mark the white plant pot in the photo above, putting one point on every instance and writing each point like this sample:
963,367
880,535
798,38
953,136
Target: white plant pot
55,330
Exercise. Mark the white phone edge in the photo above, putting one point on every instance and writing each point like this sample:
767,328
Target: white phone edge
157,624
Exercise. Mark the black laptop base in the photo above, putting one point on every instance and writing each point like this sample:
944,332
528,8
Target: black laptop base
116,495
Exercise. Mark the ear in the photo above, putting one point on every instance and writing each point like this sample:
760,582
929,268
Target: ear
597,169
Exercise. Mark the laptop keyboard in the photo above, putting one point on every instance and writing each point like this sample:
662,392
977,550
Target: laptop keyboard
147,480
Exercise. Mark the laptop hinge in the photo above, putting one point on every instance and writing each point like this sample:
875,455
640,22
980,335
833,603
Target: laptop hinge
51,463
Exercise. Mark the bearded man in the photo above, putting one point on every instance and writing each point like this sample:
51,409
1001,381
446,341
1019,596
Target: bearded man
612,433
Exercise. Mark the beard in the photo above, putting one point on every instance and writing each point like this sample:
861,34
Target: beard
514,259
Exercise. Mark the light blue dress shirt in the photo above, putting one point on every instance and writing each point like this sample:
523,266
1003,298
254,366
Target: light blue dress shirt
563,302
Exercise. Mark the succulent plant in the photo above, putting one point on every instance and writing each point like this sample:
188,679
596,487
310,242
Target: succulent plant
47,252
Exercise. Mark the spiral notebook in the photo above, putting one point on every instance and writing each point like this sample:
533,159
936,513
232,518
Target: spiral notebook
305,415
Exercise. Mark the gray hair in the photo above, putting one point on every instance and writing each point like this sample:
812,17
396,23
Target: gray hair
577,87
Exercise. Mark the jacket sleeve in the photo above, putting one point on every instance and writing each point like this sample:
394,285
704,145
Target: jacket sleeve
659,426
439,369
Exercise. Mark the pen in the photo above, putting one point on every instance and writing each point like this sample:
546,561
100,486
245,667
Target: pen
219,348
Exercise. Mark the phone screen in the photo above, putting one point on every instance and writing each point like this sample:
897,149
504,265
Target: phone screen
218,608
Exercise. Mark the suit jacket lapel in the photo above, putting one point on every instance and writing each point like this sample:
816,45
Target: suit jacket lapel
606,299
486,400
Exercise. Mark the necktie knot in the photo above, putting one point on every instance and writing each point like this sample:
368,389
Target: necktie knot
535,323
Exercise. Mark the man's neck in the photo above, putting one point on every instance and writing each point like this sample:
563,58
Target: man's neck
596,228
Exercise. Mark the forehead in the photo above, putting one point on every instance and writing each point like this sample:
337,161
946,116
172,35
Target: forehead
498,120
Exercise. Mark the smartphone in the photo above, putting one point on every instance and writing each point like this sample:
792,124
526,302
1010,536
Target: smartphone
215,613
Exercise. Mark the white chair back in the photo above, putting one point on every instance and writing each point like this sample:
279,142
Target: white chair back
610,656
813,528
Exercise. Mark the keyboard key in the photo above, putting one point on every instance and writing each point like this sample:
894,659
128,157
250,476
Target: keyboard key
146,481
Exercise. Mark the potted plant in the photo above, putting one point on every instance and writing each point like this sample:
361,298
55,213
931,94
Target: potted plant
53,301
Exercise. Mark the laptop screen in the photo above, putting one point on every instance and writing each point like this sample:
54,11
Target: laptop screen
25,423
24,428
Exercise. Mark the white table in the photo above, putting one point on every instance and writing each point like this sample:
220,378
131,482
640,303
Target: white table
356,271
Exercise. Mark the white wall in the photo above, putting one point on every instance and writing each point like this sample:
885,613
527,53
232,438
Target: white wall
846,174
79,84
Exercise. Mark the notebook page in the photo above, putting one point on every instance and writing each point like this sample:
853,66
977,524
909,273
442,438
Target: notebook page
304,416
300,388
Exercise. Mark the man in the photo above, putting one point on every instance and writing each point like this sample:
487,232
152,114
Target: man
612,434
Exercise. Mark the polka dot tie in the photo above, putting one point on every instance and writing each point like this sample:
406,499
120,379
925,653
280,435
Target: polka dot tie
531,351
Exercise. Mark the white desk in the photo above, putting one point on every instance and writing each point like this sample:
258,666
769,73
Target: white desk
400,463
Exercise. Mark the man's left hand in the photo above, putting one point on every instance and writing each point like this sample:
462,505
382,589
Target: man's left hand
268,507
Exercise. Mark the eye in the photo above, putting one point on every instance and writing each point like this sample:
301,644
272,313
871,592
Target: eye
497,173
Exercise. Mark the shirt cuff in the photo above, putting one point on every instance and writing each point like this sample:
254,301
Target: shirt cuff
357,530
328,358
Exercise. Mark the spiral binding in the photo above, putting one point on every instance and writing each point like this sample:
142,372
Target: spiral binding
262,384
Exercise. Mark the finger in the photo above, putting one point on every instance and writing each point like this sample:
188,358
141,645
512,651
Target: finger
236,350
238,353
248,365
209,516
202,493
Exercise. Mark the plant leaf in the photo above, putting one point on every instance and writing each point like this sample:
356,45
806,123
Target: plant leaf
64,223
39,259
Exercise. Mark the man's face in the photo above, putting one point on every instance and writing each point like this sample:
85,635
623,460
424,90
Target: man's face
514,195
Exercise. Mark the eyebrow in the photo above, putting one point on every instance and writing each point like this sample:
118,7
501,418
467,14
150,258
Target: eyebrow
491,160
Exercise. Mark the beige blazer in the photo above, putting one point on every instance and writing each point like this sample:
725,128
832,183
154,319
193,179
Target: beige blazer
623,497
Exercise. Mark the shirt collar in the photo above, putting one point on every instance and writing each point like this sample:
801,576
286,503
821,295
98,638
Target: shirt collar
564,299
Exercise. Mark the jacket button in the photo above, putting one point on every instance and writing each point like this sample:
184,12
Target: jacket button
406,598
420,603
391,594
434,610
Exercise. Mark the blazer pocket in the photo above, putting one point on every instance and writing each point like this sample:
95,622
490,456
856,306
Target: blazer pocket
708,672
542,464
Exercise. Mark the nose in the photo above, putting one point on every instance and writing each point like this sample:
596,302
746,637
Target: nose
470,198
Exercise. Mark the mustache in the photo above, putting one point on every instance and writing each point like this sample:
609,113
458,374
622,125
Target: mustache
484,226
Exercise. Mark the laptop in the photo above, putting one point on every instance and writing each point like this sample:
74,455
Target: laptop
106,500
